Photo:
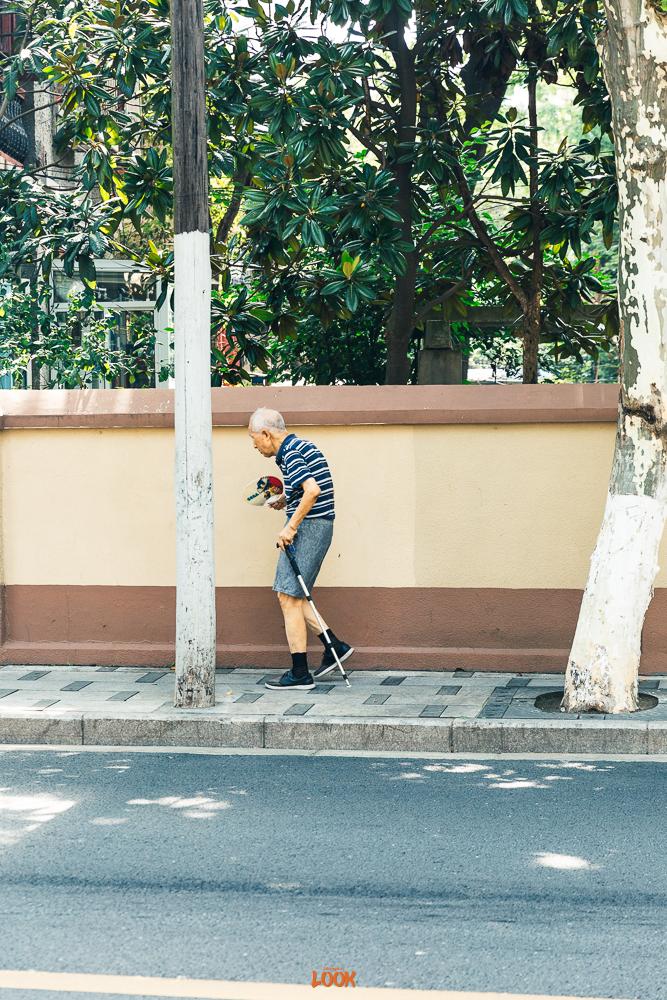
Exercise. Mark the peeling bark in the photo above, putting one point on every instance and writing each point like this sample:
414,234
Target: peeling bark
603,666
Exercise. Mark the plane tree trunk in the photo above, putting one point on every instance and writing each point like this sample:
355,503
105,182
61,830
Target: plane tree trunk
603,666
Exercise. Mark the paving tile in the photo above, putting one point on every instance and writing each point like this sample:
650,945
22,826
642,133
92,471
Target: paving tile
357,711
449,689
477,685
45,703
432,711
517,682
460,712
392,681
107,708
76,686
247,698
152,677
418,696
648,685
466,697
527,711
529,693
106,682
34,675
122,696
495,711
376,699
105,670
424,681
466,673
298,709
5,692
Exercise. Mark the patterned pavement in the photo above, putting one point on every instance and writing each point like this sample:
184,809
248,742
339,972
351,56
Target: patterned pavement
373,695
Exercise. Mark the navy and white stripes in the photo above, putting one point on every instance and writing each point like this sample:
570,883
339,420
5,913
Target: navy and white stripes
299,460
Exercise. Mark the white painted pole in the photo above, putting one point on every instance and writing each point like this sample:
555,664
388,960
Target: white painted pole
195,565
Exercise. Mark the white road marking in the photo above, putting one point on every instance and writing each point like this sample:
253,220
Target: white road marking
213,989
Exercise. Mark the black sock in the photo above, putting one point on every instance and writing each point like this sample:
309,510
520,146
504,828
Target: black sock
332,636
299,664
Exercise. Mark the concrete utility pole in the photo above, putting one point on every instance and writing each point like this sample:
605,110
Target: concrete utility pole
195,566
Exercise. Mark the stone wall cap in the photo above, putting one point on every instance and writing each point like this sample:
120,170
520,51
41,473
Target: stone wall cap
320,405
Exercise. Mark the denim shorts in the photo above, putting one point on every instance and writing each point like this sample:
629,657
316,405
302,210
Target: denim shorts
310,547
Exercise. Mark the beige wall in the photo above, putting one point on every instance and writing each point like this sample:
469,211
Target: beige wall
467,516
457,506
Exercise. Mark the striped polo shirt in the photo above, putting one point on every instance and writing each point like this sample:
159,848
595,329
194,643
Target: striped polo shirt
299,460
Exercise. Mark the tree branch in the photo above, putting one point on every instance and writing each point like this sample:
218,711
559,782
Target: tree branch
485,238
425,309
538,260
368,143
423,240
227,221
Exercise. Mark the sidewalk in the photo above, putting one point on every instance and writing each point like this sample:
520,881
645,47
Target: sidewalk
441,711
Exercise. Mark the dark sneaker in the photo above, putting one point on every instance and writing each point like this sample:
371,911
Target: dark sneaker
288,682
328,662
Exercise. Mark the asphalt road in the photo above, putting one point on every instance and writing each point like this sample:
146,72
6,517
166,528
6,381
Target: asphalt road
490,875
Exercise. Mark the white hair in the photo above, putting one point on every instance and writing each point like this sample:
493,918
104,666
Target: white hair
265,419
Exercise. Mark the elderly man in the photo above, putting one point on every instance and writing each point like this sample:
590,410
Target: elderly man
309,503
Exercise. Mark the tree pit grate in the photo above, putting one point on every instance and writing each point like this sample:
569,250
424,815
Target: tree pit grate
550,702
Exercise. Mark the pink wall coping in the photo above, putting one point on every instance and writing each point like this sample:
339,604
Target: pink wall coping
319,405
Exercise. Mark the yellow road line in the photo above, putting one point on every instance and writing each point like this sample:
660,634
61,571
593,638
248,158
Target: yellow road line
213,989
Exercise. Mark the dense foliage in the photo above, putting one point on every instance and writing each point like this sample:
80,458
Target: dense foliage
369,169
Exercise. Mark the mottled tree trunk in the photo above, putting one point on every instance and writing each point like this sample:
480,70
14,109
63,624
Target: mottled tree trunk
531,331
400,325
532,311
603,665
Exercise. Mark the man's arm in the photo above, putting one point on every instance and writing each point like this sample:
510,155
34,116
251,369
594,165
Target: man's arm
311,491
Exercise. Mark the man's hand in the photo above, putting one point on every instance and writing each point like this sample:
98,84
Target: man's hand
277,503
286,536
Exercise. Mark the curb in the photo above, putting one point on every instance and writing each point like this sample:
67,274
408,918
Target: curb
277,733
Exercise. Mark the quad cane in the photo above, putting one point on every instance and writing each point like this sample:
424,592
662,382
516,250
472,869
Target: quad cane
289,552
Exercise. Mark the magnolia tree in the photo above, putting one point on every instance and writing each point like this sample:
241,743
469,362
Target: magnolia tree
368,168
603,665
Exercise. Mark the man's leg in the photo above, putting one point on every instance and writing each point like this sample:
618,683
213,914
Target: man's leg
295,622
343,649
298,678
311,620
298,617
